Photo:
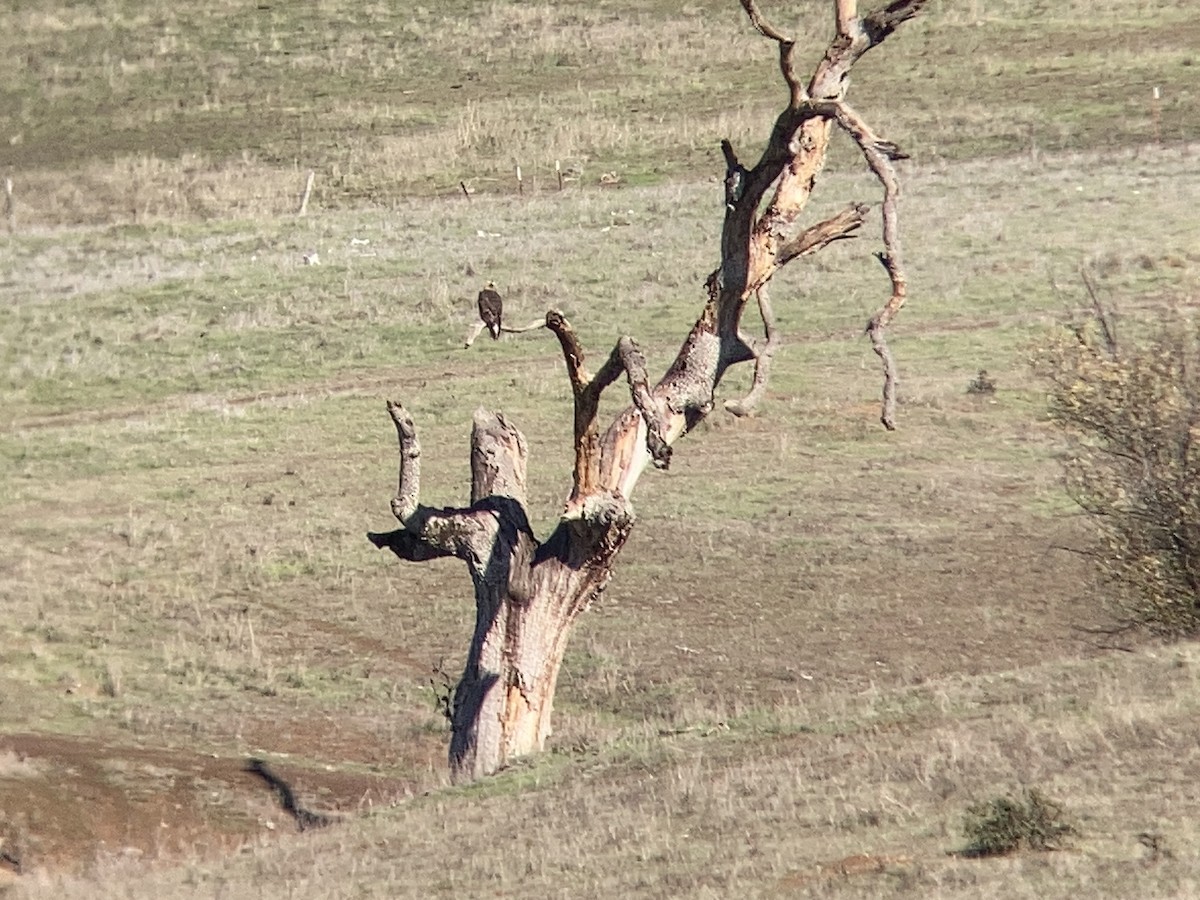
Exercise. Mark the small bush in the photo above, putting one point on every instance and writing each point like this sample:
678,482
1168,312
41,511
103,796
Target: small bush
1132,416
1003,825
982,384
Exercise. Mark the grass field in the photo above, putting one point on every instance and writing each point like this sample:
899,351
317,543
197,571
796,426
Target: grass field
824,641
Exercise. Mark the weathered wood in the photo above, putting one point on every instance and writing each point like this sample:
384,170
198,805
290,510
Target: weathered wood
528,594
10,205
307,193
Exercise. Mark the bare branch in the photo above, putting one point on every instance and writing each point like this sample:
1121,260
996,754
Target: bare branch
879,345
478,327
879,155
847,16
731,160
587,431
571,347
882,22
840,227
532,326
635,369
626,357
763,354
765,28
890,257
609,372
404,504
1101,316
473,333
787,49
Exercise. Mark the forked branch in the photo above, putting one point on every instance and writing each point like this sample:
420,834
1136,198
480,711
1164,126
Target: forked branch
626,357
427,533
836,228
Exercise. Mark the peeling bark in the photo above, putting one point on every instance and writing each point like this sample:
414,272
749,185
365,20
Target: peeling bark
528,593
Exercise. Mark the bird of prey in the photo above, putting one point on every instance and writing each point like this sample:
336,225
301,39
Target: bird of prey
491,307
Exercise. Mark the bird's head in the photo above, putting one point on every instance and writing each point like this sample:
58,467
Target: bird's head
491,285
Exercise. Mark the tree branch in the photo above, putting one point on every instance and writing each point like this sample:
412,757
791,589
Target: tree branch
816,237
840,227
1100,315
626,357
477,329
762,354
473,332
635,369
406,501
879,155
882,22
787,49
587,433
428,533
406,545
846,13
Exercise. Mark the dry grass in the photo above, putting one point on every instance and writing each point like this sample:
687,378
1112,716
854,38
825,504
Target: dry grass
789,673
160,113
868,803
824,642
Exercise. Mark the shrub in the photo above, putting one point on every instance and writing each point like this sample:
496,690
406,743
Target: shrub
982,384
1132,416
1005,824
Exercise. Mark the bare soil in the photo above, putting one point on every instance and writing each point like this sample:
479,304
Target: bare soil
68,802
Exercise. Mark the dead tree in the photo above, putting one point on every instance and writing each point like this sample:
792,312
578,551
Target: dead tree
528,592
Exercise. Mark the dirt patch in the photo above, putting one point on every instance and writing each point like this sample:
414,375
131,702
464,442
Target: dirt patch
66,803
860,864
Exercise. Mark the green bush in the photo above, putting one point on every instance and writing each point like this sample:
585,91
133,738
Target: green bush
1132,416
1005,824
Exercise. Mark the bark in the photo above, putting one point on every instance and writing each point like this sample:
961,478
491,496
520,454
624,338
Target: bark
528,593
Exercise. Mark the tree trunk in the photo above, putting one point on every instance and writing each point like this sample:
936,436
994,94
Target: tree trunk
528,594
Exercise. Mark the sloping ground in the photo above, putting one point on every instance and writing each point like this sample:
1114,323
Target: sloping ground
859,795
832,660
68,802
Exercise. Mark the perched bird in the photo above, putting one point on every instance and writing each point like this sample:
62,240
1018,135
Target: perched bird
491,308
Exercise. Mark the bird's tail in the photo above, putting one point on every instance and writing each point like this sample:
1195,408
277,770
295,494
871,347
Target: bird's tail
495,330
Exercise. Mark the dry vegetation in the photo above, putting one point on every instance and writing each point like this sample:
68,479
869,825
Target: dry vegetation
873,632
146,110
1130,404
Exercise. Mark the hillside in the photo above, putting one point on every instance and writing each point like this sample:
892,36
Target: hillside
824,641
